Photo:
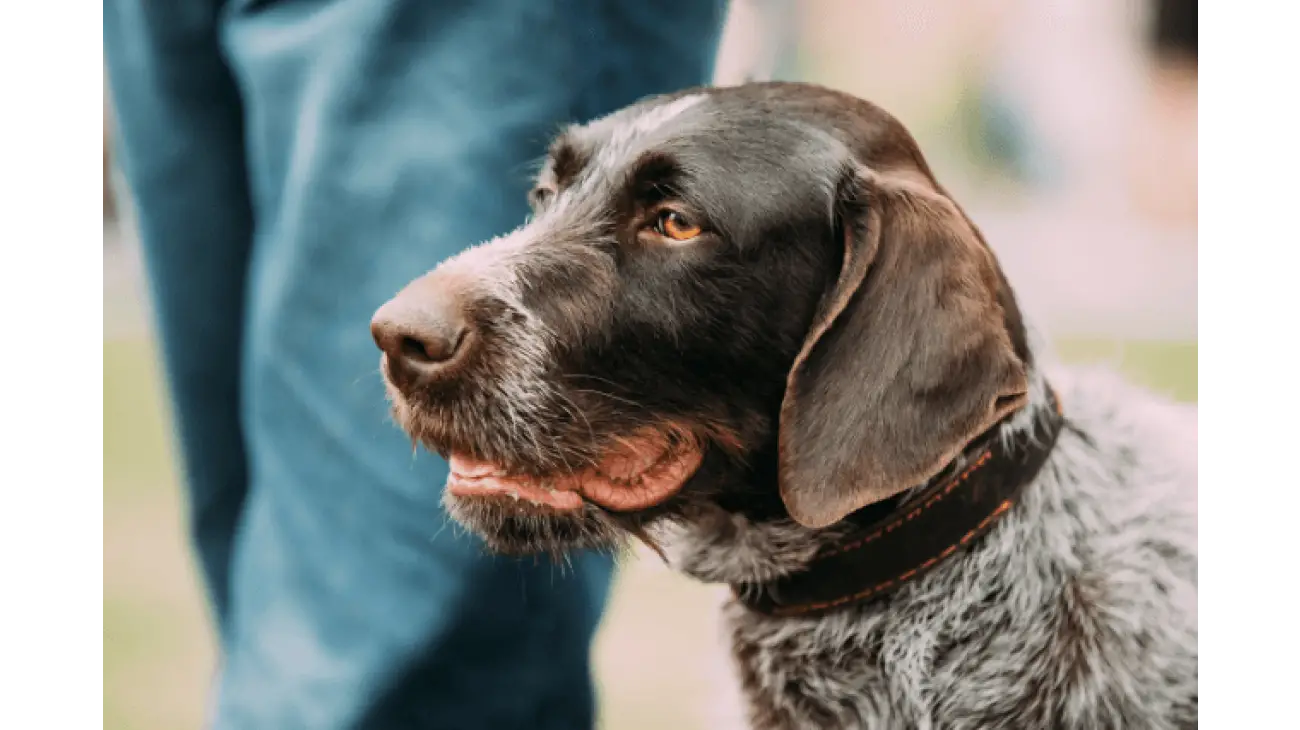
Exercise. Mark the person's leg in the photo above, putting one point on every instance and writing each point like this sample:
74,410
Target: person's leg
180,145
384,136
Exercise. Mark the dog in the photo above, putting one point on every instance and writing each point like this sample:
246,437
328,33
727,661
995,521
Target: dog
747,326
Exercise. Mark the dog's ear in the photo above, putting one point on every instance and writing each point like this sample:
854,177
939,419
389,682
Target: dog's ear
908,358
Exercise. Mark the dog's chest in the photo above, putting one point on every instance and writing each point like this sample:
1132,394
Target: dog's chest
1071,663
1087,638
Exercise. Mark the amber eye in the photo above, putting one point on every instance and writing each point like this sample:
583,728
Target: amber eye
676,226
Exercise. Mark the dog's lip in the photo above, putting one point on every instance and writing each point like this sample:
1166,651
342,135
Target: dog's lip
643,473
472,478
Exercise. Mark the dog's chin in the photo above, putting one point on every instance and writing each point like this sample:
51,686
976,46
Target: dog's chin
523,501
511,526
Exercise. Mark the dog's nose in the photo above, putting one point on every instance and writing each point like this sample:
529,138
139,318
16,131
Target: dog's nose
420,330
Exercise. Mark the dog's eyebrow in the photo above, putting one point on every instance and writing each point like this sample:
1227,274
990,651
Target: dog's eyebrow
653,170
567,158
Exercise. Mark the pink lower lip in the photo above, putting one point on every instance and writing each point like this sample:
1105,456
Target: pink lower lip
465,485
639,477
465,468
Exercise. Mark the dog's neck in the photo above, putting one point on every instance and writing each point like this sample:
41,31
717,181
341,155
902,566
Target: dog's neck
719,546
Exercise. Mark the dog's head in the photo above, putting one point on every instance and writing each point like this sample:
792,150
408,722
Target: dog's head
755,297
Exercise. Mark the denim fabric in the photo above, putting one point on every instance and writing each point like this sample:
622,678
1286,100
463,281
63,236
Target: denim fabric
293,164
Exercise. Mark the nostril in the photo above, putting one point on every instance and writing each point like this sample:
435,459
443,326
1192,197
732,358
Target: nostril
417,351
430,349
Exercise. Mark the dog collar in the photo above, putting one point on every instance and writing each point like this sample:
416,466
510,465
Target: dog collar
914,535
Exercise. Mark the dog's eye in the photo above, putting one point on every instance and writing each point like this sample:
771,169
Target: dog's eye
676,226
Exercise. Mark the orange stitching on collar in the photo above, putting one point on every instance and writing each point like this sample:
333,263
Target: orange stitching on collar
797,610
981,461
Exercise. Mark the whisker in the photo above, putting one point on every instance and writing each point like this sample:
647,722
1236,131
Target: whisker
610,396
585,376
574,412
445,521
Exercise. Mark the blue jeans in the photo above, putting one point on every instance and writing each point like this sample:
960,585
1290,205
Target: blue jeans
293,164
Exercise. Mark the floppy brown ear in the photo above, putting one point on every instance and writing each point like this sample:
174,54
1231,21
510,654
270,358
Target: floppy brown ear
907,360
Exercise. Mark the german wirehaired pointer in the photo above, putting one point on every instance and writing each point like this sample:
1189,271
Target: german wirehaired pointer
747,326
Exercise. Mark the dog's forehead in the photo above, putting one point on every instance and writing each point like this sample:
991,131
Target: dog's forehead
622,135
708,132
768,124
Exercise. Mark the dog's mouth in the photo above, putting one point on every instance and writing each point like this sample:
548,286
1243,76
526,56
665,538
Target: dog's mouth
642,472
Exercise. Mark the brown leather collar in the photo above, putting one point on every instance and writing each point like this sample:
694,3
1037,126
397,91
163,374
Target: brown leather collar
916,534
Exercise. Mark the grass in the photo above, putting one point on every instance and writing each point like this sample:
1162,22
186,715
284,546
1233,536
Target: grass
659,639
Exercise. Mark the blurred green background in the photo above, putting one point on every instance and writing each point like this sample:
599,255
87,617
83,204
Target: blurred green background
1071,148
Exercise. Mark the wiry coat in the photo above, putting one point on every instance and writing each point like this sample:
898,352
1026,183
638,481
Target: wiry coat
1077,611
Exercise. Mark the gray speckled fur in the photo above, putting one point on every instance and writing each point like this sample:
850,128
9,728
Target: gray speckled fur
1077,611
